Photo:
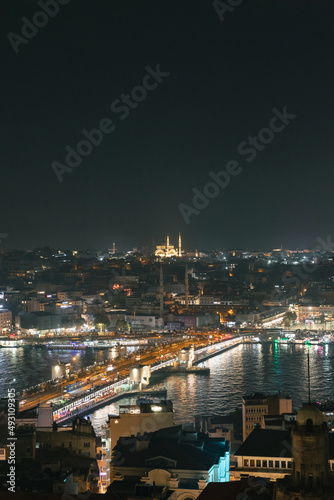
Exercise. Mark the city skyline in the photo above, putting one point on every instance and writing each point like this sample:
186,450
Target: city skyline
321,244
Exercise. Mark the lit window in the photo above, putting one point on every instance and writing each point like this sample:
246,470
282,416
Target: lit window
246,463
258,463
252,463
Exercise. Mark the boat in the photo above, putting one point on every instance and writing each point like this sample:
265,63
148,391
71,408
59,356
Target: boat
6,342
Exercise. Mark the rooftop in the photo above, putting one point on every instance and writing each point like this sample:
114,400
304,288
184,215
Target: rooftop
172,448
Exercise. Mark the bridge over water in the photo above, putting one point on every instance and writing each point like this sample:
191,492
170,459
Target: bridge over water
126,387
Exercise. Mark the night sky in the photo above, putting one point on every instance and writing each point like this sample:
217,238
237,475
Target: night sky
222,80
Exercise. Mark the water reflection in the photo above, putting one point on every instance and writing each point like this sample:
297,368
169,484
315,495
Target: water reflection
245,369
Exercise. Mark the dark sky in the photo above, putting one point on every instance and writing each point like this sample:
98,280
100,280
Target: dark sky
225,78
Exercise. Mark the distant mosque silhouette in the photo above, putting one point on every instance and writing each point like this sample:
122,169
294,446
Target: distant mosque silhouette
165,251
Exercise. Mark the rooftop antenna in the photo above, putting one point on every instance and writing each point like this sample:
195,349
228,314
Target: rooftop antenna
308,378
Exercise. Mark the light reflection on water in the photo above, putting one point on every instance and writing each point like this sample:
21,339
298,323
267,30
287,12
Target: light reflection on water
242,370
31,365
245,369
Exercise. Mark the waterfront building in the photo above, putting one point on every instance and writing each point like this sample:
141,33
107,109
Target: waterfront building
39,322
143,322
312,312
265,318
256,406
197,321
5,320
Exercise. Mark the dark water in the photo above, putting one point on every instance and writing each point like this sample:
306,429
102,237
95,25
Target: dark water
242,370
31,365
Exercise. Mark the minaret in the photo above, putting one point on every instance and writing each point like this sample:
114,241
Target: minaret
180,246
114,248
161,291
186,287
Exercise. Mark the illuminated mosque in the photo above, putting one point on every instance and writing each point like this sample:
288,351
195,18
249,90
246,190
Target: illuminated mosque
168,250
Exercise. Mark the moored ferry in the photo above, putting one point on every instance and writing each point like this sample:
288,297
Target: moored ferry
7,342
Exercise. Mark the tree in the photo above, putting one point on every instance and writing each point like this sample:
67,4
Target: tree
123,325
101,321
289,318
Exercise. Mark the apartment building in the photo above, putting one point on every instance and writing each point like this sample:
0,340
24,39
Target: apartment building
256,406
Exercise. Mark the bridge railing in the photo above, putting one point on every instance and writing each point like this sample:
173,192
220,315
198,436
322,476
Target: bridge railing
112,388
218,346
83,401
